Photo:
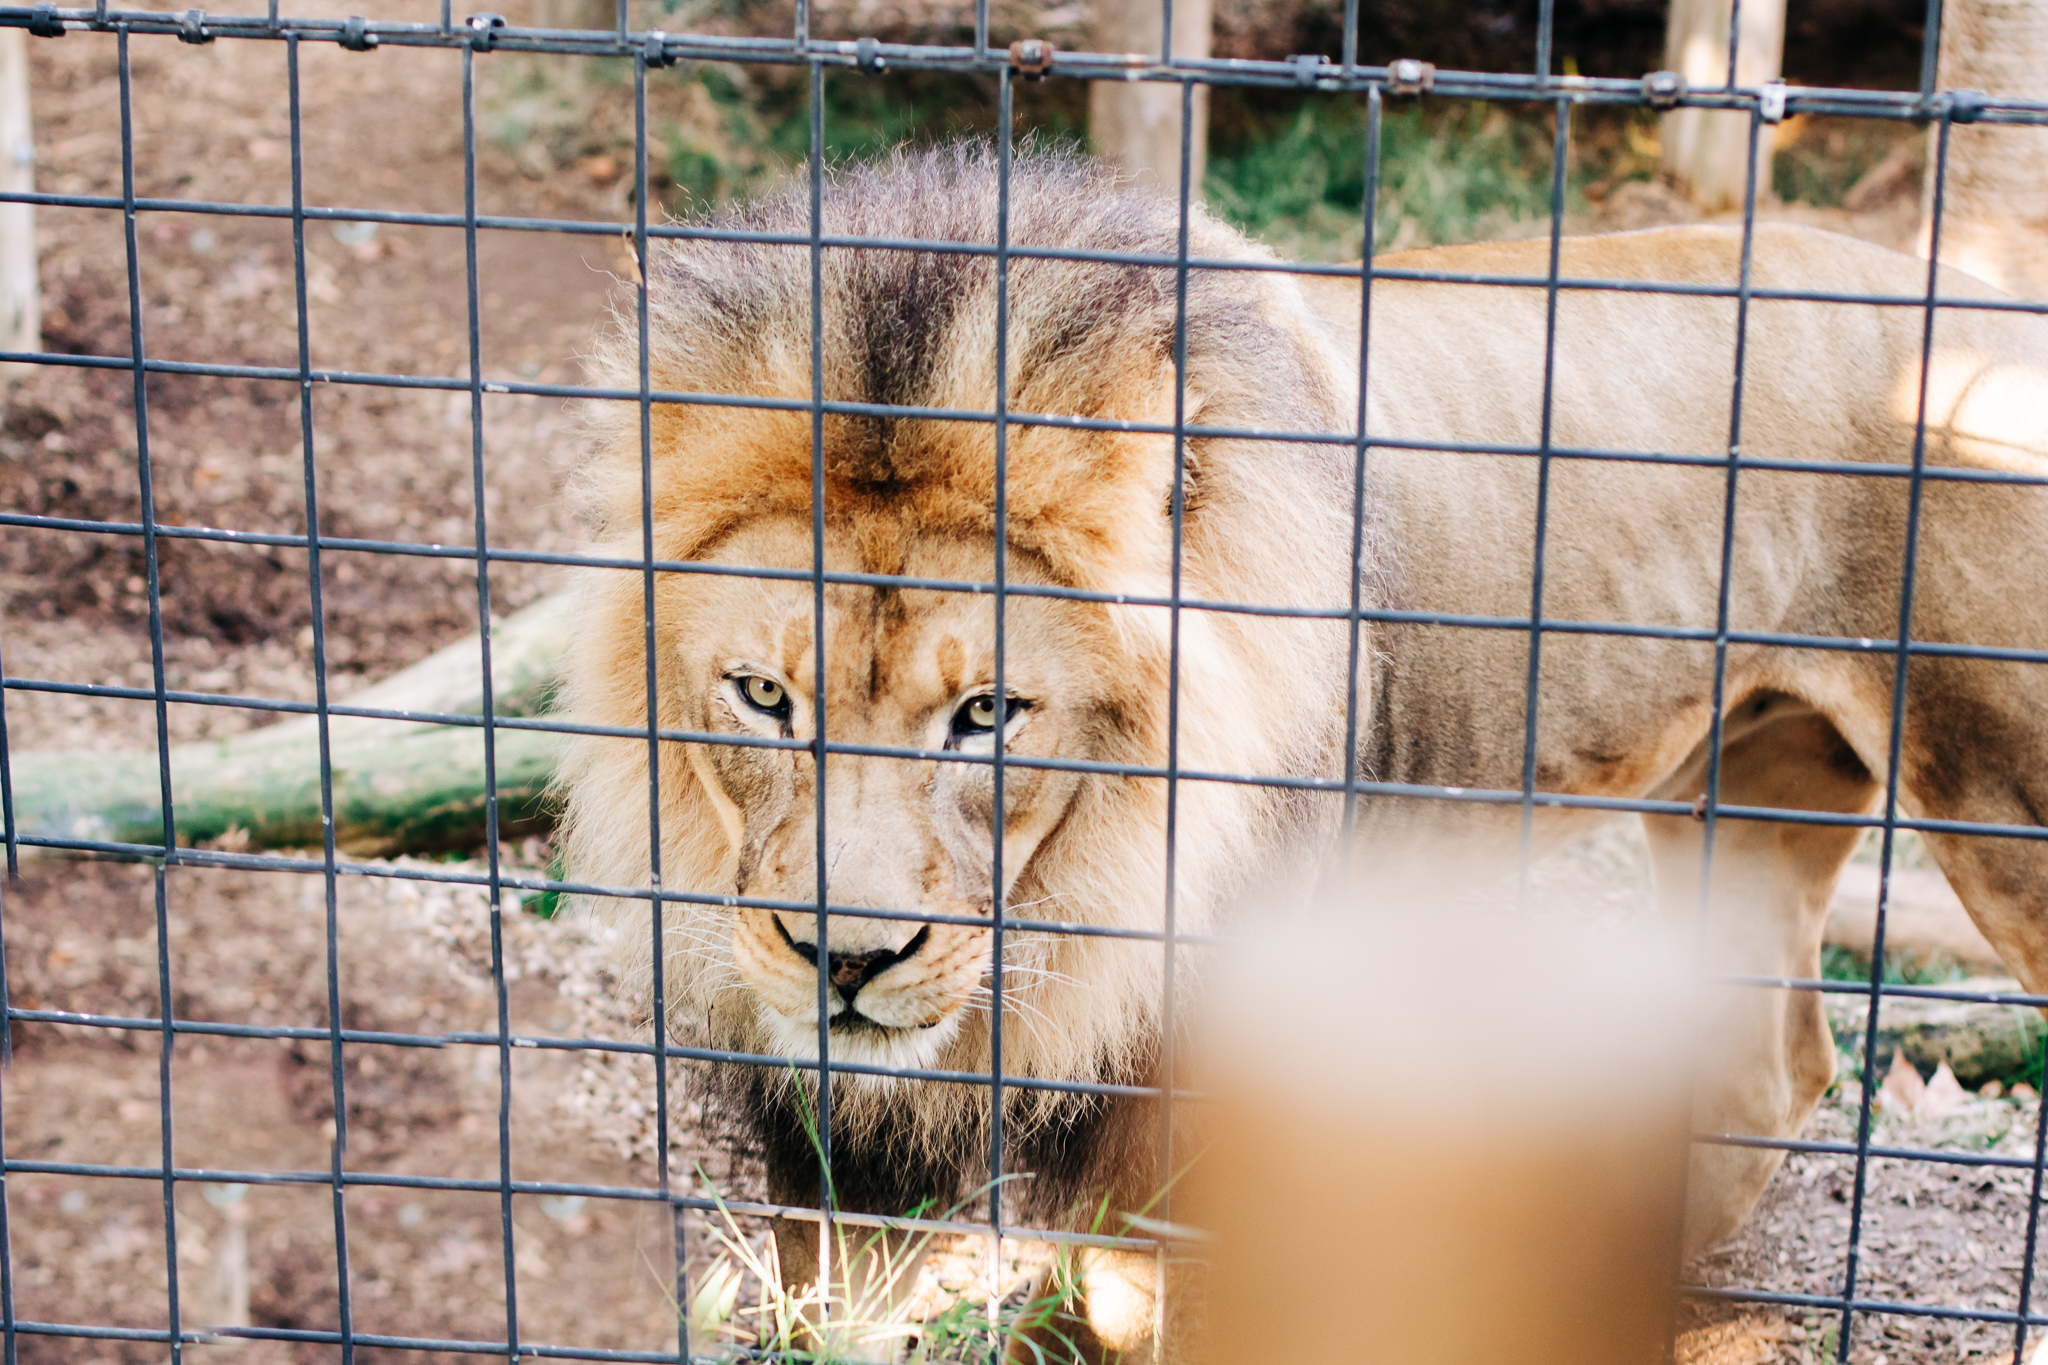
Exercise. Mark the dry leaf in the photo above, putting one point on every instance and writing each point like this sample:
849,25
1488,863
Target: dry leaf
1944,1093
1903,1087
1750,1341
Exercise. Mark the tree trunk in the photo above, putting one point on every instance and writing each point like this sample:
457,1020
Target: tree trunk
1135,125
1995,210
1707,151
399,786
20,313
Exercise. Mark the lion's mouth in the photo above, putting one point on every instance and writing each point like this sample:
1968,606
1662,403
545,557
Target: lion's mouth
854,1023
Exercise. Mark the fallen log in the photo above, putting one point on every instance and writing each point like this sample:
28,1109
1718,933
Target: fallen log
1980,1042
1925,923
400,786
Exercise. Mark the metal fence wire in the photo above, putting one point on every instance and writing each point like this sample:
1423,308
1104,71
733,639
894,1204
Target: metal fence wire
1349,77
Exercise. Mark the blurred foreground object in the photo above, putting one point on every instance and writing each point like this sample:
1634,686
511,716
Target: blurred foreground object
1707,151
20,309
1475,1156
1994,220
1135,125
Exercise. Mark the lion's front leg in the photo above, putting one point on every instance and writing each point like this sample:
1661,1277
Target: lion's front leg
1770,1055
850,1302
1103,1305
870,1276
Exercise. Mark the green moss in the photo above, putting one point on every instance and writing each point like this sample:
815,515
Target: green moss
1843,964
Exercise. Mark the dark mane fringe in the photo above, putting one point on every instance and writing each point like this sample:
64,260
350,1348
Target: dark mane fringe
724,314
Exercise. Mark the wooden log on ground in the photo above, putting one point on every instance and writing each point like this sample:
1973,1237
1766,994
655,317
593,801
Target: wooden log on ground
400,786
1925,923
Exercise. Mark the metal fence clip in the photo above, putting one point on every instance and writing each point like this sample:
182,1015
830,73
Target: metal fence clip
1031,58
654,49
192,27
356,35
1306,67
867,55
1664,89
1408,76
44,22
1967,106
1770,102
483,31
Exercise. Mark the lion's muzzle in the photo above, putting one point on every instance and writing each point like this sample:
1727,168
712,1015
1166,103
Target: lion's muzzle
850,972
884,977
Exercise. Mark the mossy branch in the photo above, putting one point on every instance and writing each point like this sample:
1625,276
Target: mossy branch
400,786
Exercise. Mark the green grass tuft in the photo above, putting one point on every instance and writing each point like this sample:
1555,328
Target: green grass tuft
1448,173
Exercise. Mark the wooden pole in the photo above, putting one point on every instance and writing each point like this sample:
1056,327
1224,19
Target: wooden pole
1707,151
1995,209
1135,125
20,309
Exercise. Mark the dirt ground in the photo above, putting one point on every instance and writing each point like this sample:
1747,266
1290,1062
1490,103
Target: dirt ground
249,948
383,131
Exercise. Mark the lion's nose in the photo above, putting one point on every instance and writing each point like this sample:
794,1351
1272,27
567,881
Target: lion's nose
852,971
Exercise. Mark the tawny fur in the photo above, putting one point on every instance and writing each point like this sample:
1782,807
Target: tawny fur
1271,523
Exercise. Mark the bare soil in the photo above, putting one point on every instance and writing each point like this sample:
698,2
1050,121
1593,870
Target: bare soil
247,948
381,131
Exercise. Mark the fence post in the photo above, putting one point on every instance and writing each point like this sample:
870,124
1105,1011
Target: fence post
1994,220
20,311
1135,125
1707,151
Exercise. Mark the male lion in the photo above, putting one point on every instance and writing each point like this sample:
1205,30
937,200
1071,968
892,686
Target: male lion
1457,370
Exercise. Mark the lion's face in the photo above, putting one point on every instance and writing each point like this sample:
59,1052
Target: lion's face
912,838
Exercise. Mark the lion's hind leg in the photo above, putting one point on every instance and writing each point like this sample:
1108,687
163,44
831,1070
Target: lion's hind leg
1977,750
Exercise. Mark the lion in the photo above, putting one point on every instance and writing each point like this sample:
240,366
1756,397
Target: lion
1098,689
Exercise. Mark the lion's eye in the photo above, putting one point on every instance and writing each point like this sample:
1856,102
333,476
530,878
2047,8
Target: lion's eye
979,715
765,694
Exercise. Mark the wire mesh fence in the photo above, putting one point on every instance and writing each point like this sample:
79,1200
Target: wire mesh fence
1349,75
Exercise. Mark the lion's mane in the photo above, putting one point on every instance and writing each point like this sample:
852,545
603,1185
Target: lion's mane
1268,523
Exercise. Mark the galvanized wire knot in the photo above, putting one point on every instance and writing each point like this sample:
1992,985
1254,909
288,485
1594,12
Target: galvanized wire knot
1664,89
1409,76
356,35
1967,106
1031,58
1770,102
